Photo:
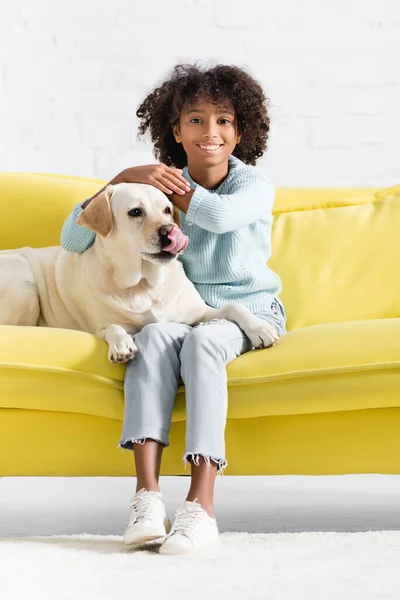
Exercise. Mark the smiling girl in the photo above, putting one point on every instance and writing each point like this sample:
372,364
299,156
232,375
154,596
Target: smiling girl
208,127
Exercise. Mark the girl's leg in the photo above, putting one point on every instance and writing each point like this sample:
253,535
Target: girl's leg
148,463
151,382
204,355
150,387
202,485
206,351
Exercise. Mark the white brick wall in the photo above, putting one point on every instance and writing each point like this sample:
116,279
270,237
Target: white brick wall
72,73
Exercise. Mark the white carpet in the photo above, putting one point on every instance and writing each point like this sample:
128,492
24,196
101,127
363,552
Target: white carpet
314,538
283,566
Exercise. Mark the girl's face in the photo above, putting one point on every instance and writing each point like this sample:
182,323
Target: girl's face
208,132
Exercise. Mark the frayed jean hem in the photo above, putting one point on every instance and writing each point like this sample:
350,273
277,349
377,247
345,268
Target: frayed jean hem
127,444
194,457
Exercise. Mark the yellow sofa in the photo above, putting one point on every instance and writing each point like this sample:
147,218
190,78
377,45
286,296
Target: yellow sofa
325,400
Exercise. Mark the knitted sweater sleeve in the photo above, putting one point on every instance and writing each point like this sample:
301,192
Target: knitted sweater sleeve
250,196
74,237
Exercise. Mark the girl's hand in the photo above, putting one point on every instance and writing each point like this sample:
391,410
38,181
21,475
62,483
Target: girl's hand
166,179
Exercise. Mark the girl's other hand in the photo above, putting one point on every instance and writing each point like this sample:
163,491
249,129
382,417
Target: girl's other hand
166,179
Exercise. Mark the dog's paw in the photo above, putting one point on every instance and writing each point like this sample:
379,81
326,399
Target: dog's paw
122,351
261,333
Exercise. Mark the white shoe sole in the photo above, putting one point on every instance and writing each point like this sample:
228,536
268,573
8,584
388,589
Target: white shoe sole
149,537
144,539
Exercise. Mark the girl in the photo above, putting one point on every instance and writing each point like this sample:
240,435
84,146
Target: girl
208,127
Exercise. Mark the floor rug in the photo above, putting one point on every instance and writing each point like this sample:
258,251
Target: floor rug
283,566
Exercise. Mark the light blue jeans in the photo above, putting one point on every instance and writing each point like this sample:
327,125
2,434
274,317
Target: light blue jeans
168,351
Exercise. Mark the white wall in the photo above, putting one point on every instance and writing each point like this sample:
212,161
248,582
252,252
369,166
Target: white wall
72,73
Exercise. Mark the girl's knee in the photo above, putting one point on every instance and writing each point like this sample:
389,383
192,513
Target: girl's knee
161,332
152,329
201,339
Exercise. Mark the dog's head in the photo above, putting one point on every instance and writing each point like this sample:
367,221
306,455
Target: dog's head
139,217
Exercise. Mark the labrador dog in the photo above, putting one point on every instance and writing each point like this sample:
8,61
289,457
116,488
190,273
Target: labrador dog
128,278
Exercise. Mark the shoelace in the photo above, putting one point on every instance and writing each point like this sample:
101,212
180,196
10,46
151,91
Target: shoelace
143,507
186,519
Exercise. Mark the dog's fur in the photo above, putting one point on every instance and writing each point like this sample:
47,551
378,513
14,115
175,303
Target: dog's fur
120,284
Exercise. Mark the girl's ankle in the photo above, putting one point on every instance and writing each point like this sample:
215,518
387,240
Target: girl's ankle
147,488
209,510
208,507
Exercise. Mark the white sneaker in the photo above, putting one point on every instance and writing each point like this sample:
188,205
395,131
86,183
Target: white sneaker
149,519
192,529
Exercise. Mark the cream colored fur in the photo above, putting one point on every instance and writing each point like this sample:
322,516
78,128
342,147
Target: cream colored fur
117,286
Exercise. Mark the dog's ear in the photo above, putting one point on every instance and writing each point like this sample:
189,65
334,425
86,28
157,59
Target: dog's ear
176,216
97,216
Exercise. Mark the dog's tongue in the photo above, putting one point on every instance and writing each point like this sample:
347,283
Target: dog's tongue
179,241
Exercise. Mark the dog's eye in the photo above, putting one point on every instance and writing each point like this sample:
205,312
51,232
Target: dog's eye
168,210
135,212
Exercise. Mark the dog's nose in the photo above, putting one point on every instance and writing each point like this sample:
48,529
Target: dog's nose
163,233
165,230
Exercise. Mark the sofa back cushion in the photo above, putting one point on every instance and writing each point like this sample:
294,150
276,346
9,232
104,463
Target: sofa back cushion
34,206
340,262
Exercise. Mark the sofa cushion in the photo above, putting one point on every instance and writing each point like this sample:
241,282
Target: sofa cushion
326,368
340,263
58,370
323,368
34,206
296,199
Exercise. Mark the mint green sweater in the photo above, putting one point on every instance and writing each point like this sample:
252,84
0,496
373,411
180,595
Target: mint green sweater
229,232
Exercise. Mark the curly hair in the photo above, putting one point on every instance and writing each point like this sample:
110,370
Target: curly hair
188,84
